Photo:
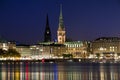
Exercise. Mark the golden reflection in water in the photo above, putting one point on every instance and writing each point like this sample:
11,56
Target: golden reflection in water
4,74
8,71
12,71
102,75
90,76
17,71
38,71
75,76
17,77
60,75
21,71
113,73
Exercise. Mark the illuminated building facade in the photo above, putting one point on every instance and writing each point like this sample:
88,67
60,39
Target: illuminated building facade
107,47
77,48
5,45
52,50
57,49
24,50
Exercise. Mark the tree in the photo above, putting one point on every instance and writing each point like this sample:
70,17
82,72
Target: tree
98,55
13,53
2,52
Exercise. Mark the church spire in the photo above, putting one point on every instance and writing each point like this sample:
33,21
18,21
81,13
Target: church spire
61,17
47,34
47,22
61,33
61,24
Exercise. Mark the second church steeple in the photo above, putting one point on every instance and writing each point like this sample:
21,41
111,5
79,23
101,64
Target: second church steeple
47,34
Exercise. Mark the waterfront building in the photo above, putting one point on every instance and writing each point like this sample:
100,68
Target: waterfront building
5,45
47,33
61,33
53,50
33,51
57,49
106,47
24,50
37,52
79,49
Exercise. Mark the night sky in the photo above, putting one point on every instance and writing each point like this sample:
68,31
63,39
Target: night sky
25,20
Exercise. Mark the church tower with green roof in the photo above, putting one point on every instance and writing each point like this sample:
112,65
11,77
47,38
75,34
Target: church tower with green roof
61,33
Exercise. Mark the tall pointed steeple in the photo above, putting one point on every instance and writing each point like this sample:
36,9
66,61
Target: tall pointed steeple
47,22
47,34
61,33
61,24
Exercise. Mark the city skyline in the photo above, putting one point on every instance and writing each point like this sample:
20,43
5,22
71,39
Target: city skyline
25,21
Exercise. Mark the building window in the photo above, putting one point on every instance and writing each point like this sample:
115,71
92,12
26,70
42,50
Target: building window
112,48
102,49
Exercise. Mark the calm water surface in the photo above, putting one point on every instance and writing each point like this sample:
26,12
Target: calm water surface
59,71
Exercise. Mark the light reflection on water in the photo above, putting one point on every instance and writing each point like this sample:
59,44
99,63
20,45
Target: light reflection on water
58,71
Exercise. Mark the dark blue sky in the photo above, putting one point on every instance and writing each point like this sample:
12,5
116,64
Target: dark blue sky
24,20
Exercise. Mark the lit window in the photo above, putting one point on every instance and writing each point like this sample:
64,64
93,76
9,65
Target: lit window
101,48
4,45
77,45
113,49
105,49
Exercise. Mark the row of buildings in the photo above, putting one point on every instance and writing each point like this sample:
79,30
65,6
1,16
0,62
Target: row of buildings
103,47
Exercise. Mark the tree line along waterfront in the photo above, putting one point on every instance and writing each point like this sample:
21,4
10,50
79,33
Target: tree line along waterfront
9,53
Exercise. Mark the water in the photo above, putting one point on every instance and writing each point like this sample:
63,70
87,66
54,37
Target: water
59,71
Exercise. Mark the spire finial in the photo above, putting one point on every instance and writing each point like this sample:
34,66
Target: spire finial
47,22
61,10
61,25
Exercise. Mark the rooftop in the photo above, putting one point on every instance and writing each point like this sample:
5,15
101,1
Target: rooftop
107,38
